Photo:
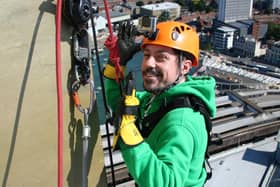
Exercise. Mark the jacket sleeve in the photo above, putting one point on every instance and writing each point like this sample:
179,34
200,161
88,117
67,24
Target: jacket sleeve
168,165
112,92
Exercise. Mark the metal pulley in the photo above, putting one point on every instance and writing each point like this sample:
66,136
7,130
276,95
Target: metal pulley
77,12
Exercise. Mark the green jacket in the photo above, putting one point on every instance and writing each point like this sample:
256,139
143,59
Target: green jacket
174,152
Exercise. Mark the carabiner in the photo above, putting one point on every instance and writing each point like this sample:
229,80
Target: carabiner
76,99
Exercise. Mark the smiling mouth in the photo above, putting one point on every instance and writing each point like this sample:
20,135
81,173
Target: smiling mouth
150,77
151,73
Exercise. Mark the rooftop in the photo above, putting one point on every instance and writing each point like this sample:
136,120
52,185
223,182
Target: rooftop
239,25
226,29
161,6
277,43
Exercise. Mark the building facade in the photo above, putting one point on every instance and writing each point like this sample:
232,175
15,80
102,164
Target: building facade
275,4
273,54
111,3
249,46
223,38
233,10
259,30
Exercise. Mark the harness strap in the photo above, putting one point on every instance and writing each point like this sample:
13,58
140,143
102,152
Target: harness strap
189,101
181,101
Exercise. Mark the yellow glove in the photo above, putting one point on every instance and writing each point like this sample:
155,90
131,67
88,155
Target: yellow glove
110,72
125,124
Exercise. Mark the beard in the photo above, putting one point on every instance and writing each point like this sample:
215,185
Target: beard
156,77
154,83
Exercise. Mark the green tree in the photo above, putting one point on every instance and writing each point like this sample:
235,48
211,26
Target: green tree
206,46
268,11
139,3
197,5
181,2
201,6
273,31
164,16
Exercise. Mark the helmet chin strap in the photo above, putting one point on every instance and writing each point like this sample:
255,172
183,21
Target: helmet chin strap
161,90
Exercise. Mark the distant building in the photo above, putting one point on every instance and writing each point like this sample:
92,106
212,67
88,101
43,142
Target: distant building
259,30
233,10
248,46
111,3
100,24
273,54
246,36
157,9
275,4
116,16
243,27
223,38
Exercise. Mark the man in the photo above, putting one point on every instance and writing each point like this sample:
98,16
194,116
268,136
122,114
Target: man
171,153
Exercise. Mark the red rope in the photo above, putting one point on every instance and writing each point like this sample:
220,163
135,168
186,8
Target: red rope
59,95
108,17
111,45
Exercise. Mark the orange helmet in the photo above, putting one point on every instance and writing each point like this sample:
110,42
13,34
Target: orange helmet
178,36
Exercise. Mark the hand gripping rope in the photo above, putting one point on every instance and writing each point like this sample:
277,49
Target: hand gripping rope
111,45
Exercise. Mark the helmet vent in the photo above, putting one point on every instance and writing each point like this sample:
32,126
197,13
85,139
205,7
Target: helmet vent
176,29
182,28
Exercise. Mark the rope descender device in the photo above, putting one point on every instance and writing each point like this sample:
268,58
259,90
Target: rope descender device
81,53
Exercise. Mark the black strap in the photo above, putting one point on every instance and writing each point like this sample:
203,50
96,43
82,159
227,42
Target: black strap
191,101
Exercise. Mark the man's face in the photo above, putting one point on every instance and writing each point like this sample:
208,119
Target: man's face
159,67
